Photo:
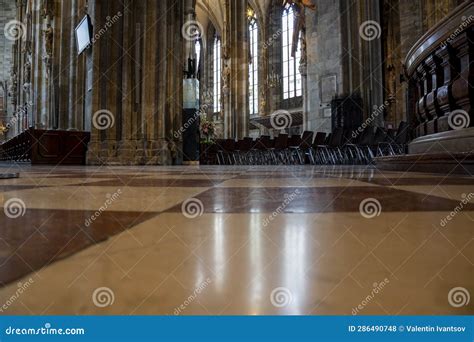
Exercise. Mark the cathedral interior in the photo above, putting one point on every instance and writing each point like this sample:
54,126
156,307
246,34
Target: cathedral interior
236,157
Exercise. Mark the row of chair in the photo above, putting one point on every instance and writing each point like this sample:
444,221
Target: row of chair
17,148
339,147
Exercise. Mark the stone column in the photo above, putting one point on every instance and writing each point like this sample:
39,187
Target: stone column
137,76
126,147
236,116
150,80
72,84
373,57
66,51
175,58
93,62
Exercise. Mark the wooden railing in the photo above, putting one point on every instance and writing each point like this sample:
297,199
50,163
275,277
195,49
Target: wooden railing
440,72
46,147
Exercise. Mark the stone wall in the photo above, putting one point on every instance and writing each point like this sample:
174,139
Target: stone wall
7,13
324,43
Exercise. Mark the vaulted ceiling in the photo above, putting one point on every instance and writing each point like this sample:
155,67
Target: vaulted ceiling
213,11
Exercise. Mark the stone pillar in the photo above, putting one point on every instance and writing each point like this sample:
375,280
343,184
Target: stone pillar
127,145
150,82
72,84
374,92
138,80
93,60
325,41
235,67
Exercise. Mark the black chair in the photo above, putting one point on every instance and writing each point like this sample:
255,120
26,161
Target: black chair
228,152
262,147
395,144
365,154
316,157
333,148
305,146
278,152
294,143
245,151
220,148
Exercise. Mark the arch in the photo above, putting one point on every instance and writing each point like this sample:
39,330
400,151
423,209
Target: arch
213,11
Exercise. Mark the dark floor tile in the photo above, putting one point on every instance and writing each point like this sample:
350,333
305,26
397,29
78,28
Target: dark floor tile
316,200
418,181
94,177
41,237
9,175
142,182
6,188
211,173
282,175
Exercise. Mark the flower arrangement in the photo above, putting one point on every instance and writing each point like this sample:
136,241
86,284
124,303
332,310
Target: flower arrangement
207,130
3,128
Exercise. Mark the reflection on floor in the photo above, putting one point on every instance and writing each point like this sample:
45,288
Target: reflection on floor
235,240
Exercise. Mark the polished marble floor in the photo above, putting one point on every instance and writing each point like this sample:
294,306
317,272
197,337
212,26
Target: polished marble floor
235,240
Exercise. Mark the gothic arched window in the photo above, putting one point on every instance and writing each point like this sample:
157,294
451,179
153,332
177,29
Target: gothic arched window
198,48
253,62
291,77
217,69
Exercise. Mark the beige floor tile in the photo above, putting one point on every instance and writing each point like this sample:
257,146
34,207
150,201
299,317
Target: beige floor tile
300,263
292,182
92,198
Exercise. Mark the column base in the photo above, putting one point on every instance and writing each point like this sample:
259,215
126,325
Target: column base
129,152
